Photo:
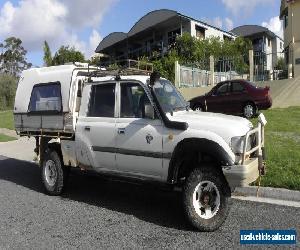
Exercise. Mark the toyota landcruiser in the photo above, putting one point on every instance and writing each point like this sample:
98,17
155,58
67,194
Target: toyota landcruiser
137,125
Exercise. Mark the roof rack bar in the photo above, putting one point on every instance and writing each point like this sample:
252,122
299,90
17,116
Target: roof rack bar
127,67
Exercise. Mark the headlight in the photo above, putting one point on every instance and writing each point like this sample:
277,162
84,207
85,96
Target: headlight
237,144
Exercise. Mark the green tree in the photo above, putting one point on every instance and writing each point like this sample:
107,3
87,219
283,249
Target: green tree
166,65
8,85
280,65
13,57
67,54
186,47
233,54
47,54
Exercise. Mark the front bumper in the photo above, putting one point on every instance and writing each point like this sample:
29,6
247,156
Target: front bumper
242,175
252,163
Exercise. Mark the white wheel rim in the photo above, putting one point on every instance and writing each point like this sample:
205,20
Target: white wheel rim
50,173
198,109
248,110
206,199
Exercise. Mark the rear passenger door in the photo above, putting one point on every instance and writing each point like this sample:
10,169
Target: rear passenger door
96,128
238,97
139,139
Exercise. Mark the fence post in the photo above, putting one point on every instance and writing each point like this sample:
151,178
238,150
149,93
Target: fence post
177,74
212,70
251,65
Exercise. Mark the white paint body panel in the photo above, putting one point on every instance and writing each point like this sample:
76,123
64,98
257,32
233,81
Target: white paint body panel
101,134
134,138
31,77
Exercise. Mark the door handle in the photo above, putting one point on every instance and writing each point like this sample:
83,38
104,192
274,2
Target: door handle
87,128
121,131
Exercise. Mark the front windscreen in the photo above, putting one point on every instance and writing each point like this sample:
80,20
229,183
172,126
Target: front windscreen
168,97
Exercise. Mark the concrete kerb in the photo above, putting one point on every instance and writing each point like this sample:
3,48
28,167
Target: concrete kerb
268,192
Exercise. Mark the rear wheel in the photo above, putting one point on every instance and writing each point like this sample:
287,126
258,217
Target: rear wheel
206,199
54,173
249,110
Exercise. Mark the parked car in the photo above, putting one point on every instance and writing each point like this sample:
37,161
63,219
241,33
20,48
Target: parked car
234,97
139,128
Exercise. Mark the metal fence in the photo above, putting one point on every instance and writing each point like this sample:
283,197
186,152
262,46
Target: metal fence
229,68
194,76
272,66
208,72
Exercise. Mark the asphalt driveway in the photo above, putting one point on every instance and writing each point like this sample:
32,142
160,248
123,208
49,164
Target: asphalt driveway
99,213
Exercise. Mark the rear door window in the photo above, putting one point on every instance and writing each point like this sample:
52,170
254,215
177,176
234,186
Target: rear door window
46,97
237,87
102,101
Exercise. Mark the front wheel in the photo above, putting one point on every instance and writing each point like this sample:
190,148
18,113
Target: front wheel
206,199
54,173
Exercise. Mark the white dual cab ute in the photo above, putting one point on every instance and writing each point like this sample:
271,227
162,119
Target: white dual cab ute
138,126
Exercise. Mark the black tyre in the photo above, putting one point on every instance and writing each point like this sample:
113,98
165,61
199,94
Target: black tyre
206,199
249,110
54,173
198,107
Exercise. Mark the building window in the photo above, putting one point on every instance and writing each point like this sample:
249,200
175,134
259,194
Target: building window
269,42
287,55
172,36
227,38
200,32
286,20
102,101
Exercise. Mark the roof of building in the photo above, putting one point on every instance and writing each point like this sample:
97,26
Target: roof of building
149,20
253,30
110,40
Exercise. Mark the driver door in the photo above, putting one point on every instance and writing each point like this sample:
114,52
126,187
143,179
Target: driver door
139,139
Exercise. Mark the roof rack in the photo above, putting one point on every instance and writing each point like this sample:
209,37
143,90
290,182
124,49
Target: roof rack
123,67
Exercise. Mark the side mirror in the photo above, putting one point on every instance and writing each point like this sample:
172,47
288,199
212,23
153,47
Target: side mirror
149,112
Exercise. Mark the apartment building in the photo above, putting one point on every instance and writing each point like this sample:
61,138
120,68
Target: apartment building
267,46
156,32
290,14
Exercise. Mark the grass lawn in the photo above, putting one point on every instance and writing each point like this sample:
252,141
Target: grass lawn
5,138
282,138
7,120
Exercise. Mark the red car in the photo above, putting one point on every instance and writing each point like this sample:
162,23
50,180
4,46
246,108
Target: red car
234,97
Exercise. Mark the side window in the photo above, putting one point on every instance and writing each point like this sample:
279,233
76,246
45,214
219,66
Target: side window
223,89
102,101
237,87
45,98
133,100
